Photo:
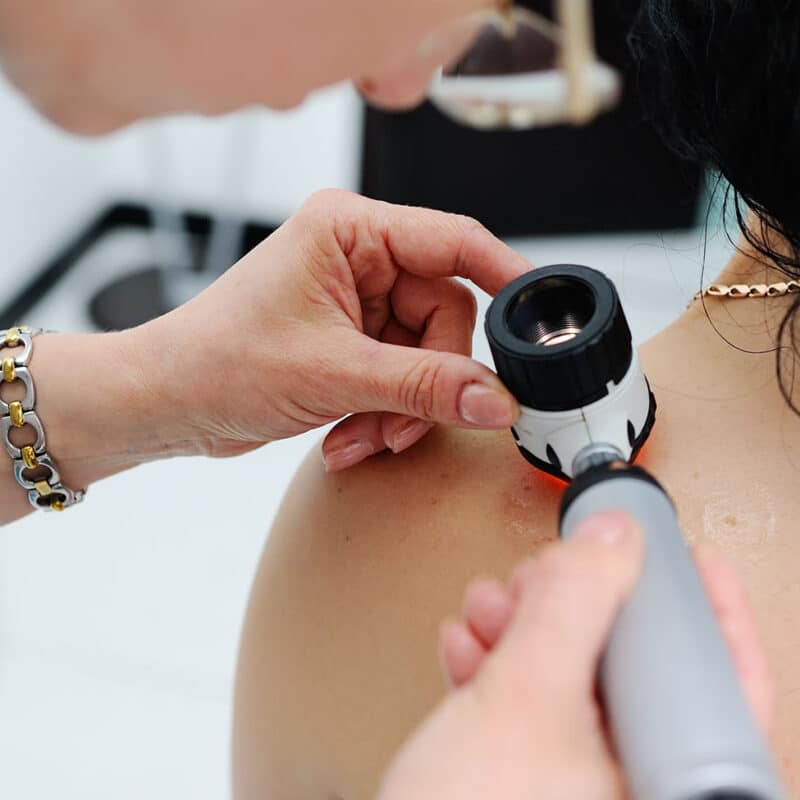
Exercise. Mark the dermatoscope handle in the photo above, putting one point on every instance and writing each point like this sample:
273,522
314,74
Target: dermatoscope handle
678,713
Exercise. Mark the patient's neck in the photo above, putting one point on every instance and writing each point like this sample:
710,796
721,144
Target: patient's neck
726,348
725,438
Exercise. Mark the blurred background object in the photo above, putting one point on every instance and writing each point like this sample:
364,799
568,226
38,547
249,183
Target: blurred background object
613,175
205,191
119,621
74,196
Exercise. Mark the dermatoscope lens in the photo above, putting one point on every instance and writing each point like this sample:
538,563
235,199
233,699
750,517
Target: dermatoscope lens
551,312
559,337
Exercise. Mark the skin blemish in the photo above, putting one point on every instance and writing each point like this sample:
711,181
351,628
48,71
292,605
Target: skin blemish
751,532
534,493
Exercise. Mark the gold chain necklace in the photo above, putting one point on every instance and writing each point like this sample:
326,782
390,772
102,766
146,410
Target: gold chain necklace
741,291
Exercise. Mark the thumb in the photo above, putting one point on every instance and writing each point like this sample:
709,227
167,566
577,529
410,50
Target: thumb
427,384
567,601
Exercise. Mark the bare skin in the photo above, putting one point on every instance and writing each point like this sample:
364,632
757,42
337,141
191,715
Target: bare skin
337,663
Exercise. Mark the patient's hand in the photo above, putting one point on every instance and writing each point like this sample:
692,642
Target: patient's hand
523,719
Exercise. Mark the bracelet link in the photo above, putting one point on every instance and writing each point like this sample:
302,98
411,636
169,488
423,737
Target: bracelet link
23,375
29,457
21,337
44,466
9,369
44,487
28,418
59,498
17,414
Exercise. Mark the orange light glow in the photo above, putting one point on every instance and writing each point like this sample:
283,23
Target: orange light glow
640,456
549,483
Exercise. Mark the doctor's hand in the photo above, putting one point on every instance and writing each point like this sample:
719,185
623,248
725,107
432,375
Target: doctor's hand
350,308
523,720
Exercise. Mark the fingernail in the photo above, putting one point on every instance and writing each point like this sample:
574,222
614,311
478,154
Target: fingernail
609,528
347,455
485,407
409,433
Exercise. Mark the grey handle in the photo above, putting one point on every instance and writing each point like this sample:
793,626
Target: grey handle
678,713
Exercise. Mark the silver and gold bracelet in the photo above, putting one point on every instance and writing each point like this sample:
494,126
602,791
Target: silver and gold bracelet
34,470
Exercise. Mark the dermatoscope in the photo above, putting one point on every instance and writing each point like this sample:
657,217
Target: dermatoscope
678,714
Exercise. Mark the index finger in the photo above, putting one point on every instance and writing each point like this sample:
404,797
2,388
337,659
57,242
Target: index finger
436,244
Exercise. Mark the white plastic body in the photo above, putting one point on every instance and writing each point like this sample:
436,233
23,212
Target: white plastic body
604,421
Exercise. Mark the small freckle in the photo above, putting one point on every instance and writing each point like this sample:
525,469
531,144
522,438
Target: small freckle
730,520
434,501
339,490
347,539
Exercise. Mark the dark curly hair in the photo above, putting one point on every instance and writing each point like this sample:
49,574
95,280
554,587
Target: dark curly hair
721,81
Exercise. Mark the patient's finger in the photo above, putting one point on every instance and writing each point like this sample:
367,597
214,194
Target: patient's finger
730,603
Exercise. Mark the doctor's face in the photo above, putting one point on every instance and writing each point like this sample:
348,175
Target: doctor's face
94,65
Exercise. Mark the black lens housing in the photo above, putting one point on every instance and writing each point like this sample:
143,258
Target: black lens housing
576,371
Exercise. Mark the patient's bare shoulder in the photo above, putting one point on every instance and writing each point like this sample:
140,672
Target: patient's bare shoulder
337,663
453,483
338,660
